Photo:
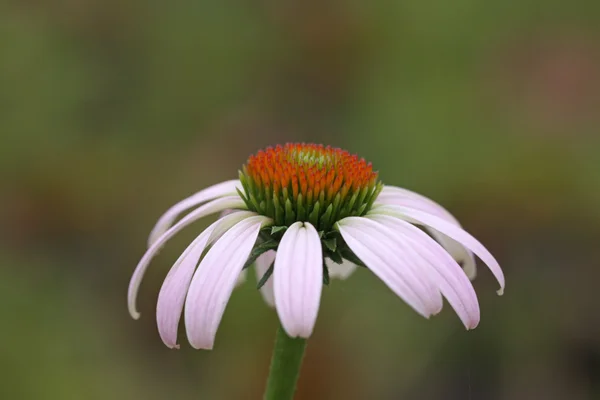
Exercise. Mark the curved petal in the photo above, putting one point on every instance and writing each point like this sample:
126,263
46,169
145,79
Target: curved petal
174,289
395,196
212,192
392,195
456,233
202,211
340,271
215,278
442,268
402,261
460,253
298,279
262,264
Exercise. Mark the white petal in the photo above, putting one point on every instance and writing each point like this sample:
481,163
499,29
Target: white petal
285,256
340,271
400,260
174,288
222,189
263,262
442,268
450,230
214,280
391,195
202,211
298,279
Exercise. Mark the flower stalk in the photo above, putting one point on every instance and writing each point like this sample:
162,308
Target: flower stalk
285,366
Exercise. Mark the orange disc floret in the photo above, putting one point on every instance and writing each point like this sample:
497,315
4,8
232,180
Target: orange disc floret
308,182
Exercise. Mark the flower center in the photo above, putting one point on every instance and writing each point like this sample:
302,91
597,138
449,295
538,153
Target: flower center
308,182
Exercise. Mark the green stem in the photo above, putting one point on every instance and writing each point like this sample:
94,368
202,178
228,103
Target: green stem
285,367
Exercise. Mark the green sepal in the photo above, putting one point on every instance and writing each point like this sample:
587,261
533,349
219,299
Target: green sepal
243,181
266,276
361,197
276,229
335,256
284,193
350,256
360,210
331,244
278,211
254,202
290,215
325,218
244,198
373,196
258,250
336,208
325,273
350,204
300,210
313,217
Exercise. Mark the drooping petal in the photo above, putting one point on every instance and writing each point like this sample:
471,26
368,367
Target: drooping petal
398,259
340,271
262,264
392,195
460,253
450,230
202,211
215,278
174,289
442,268
395,196
298,279
227,188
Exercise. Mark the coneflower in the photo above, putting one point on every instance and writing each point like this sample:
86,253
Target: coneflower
305,213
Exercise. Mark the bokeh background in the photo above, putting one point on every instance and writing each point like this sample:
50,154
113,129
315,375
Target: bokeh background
111,111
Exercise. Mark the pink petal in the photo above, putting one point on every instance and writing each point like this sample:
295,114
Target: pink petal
215,279
392,195
298,279
398,259
202,211
227,188
450,230
442,269
174,288
396,196
383,270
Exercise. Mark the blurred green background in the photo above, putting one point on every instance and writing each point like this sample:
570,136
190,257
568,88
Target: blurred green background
111,111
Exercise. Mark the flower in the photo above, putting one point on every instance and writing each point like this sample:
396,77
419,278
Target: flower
304,213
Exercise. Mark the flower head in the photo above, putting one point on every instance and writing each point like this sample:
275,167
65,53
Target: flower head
309,183
305,213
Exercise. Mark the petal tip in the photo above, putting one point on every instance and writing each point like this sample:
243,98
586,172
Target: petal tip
500,291
134,314
304,335
202,346
472,324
